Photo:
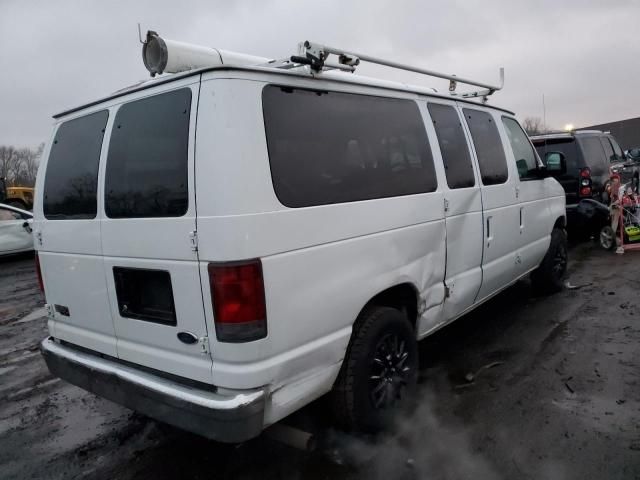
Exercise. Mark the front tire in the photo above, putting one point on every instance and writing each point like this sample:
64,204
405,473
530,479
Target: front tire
549,276
379,372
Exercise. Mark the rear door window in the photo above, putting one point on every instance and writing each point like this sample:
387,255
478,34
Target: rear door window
71,179
566,146
486,139
524,154
594,154
331,147
147,164
453,145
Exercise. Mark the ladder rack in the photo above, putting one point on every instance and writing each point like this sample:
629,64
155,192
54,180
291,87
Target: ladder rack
316,56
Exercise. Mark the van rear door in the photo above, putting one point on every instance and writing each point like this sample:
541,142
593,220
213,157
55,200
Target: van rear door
148,233
67,234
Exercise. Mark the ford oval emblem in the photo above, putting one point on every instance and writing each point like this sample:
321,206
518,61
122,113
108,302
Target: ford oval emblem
187,337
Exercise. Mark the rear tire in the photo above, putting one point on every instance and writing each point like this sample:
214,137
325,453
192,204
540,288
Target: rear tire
549,276
379,372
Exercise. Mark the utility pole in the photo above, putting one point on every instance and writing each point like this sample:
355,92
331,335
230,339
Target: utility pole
544,115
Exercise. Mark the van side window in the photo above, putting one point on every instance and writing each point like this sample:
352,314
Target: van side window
486,139
525,157
453,146
330,147
147,166
71,180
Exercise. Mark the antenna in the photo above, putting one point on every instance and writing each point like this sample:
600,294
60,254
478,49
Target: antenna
140,35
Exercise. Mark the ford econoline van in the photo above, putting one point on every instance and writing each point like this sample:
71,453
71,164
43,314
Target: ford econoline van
221,246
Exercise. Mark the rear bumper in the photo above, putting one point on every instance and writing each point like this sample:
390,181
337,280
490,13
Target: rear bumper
223,415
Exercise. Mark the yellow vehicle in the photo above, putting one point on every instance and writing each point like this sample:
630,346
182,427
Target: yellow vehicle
21,197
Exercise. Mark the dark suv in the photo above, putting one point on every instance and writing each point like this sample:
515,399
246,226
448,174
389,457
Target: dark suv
591,156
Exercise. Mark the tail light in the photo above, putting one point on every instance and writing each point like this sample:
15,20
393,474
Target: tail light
585,182
39,273
237,293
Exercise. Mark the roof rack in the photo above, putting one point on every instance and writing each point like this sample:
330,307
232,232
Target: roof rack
316,56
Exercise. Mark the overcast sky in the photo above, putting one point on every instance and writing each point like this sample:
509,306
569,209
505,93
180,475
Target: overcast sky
584,56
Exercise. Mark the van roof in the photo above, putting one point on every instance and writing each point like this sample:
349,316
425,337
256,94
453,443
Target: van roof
340,77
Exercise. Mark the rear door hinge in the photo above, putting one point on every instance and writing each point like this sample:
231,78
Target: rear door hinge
204,345
446,205
39,236
448,290
193,240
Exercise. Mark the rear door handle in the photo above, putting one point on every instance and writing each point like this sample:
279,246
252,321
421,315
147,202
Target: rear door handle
521,219
489,235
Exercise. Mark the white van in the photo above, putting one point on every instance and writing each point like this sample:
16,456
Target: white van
222,246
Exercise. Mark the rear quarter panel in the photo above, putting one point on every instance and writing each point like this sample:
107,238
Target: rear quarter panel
321,264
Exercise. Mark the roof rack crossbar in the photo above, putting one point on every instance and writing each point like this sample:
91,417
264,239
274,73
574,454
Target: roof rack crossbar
315,55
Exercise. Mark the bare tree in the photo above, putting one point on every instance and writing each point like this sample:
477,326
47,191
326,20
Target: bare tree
15,167
7,158
534,126
30,160
19,167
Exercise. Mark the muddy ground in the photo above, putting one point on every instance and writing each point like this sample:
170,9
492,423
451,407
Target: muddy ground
558,398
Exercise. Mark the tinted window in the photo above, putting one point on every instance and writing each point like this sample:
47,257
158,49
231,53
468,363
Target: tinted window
608,149
329,147
71,180
616,148
147,167
566,146
486,139
525,156
453,146
594,154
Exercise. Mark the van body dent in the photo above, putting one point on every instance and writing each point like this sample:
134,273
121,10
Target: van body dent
220,248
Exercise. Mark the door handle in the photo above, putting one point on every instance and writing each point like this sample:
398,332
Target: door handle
521,219
489,235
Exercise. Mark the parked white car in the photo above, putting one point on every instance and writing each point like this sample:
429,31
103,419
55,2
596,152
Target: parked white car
222,246
15,230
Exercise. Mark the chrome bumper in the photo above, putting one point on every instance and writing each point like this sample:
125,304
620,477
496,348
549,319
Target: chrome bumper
224,415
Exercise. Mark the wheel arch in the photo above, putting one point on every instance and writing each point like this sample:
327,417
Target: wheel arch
561,222
403,296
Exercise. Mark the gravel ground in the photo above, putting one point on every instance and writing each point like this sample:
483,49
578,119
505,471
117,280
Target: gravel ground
524,387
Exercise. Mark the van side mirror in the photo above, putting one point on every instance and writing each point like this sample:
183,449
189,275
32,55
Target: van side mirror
556,163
